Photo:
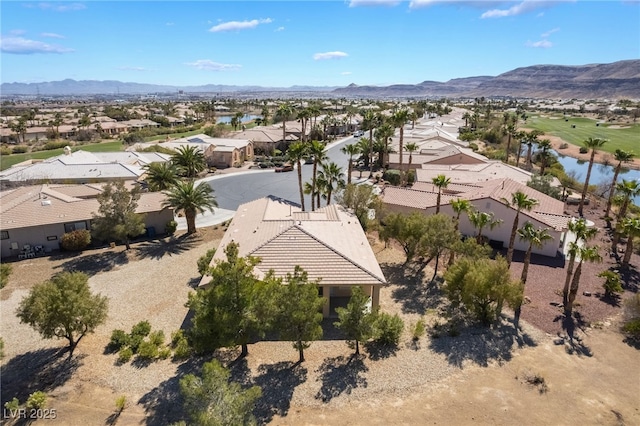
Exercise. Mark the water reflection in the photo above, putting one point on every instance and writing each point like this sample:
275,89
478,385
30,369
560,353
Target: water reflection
226,119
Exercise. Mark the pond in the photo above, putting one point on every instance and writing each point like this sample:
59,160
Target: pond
226,119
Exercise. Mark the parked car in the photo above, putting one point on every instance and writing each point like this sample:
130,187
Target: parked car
358,133
284,168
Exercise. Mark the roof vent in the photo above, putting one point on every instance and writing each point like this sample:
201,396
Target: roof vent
45,202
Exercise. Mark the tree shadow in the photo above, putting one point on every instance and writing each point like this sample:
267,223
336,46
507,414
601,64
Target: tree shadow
40,370
609,299
630,277
159,248
537,259
481,345
573,343
378,351
95,263
278,382
341,375
634,342
409,290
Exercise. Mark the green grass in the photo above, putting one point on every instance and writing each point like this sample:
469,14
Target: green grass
174,135
9,160
627,138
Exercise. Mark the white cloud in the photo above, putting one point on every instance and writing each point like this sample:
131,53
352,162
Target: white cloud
239,25
17,32
52,35
523,7
415,4
209,65
329,55
544,44
20,45
548,33
346,73
58,7
128,68
356,3
279,29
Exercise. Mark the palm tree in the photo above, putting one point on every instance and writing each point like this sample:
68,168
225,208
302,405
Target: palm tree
296,153
265,113
628,189
411,147
458,205
480,220
304,115
532,137
534,237
511,129
399,119
593,144
284,112
587,254
583,233
185,196
189,160
350,150
544,154
466,117
160,176
333,179
383,134
520,201
369,122
521,136
316,149
622,157
441,181
631,228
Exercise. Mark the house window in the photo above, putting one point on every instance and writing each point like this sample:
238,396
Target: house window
52,237
75,226
4,235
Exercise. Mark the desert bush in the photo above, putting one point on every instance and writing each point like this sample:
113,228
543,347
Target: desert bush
143,328
418,330
13,404
204,261
121,403
157,338
181,348
54,145
147,350
119,339
1,348
19,149
170,227
583,150
473,146
388,329
125,355
76,240
5,271
37,400
563,145
392,176
612,284
5,150
164,353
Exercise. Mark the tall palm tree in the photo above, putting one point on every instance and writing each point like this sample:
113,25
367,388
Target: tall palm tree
333,178
532,137
185,196
383,134
284,112
411,148
631,228
534,237
520,201
189,160
622,157
593,144
296,153
583,233
304,115
160,176
481,220
544,154
399,119
587,254
441,181
351,150
265,113
521,137
458,206
369,122
316,149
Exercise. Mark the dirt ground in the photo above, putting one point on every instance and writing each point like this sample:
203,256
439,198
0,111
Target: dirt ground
592,379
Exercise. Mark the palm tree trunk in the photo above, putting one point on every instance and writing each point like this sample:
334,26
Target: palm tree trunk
300,352
628,251
567,281
349,169
357,347
438,201
508,147
586,183
612,191
400,145
512,238
371,152
245,350
190,216
519,154
300,184
313,184
575,283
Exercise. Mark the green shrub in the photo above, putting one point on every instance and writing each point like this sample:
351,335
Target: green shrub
5,271
204,261
170,227
5,150
157,338
612,284
143,328
125,355
121,403
632,328
37,400
12,405
164,353
147,350
54,145
392,176
388,329
473,146
563,145
119,339
583,150
181,349
1,348
135,340
76,240
418,330
19,149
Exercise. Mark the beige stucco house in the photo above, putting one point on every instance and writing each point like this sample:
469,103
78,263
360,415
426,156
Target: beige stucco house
488,197
39,215
329,244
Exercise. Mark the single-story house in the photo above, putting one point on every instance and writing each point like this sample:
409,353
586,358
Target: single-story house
329,244
266,139
447,155
39,215
473,173
487,197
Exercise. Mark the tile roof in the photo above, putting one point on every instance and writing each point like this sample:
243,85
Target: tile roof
329,243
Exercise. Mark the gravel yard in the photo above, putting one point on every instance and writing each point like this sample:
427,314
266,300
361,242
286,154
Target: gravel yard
152,282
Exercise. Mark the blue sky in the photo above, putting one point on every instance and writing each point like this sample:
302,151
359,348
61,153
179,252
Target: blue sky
320,43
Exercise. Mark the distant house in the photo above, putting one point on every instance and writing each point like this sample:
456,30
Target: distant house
266,139
82,167
39,215
443,155
328,243
473,173
487,197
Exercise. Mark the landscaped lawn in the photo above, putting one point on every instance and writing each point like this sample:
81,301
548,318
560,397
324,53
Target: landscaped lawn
620,137
9,160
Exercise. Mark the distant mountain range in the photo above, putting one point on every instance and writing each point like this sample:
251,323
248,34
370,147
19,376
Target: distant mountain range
594,81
